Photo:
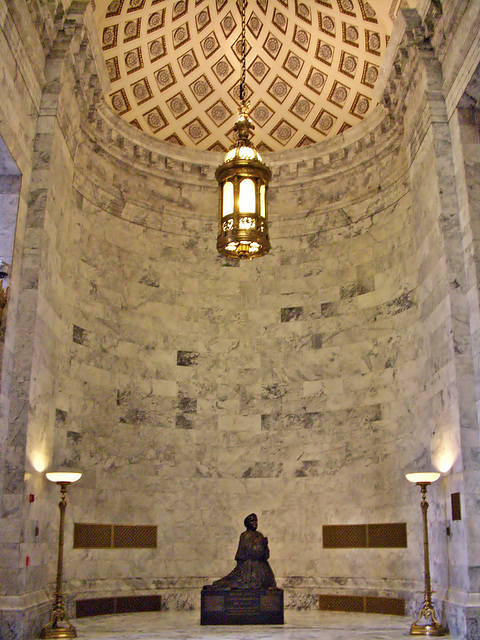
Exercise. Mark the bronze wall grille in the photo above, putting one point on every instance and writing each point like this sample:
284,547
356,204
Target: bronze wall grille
364,536
135,536
124,604
92,536
362,604
114,536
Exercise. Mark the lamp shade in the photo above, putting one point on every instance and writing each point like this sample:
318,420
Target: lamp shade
424,477
63,477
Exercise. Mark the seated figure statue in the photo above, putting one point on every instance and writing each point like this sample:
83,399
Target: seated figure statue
252,570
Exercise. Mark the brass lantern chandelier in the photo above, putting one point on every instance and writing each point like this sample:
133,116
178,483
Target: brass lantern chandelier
243,182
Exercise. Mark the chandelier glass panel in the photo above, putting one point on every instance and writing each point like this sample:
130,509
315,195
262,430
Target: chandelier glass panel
243,182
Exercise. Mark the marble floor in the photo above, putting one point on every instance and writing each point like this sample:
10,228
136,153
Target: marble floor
299,625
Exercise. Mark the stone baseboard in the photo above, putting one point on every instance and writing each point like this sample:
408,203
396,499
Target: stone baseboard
23,624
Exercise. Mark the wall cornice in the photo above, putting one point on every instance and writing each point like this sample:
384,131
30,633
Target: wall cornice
125,144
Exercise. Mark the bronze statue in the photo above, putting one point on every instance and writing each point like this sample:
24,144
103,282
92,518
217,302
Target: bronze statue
252,570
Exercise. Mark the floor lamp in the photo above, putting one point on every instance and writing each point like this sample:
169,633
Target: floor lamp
427,611
59,625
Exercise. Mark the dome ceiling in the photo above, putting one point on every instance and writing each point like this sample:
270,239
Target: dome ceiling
175,66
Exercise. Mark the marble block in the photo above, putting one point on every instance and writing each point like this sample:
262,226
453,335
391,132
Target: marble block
241,606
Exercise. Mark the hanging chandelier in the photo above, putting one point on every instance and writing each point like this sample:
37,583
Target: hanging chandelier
243,181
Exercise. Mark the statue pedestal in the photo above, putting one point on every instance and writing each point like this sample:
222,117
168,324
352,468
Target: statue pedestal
241,606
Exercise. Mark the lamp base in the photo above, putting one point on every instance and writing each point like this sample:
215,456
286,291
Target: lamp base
431,627
54,631
427,630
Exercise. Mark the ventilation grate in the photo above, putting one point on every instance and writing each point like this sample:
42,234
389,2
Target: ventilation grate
92,536
123,604
364,536
362,604
114,536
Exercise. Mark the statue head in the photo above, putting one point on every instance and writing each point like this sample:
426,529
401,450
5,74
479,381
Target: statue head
251,522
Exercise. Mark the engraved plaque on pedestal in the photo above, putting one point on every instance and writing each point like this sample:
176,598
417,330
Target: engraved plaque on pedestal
241,606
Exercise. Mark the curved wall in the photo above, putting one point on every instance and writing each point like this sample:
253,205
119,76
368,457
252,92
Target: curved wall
196,389
191,390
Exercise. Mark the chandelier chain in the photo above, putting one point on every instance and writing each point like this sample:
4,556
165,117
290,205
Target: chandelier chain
244,52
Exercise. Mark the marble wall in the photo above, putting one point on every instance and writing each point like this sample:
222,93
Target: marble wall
192,390
33,44
196,390
466,152
442,148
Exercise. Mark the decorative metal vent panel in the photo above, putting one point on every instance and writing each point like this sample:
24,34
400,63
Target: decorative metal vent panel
362,604
351,536
114,536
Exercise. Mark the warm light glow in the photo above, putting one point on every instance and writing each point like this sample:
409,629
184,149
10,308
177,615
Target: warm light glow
227,198
246,198
444,461
246,223
262,200
445,449
244,247
63,476
248,247
39,461
243,153
247,153
423,477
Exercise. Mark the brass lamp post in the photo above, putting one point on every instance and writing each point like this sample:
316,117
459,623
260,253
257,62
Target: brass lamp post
427,612
243,181
59,626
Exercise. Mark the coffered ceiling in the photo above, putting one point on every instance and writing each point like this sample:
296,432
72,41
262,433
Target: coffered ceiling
175,66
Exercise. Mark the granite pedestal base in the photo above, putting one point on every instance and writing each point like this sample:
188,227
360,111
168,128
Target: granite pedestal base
241,606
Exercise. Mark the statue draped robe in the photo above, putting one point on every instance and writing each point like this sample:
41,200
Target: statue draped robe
252,570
